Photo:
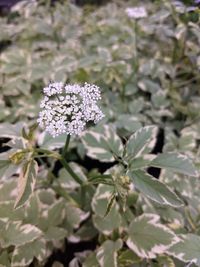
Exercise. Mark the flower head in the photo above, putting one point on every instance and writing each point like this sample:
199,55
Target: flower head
136,12
67,108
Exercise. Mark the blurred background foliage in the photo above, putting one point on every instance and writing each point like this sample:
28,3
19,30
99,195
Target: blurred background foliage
148,70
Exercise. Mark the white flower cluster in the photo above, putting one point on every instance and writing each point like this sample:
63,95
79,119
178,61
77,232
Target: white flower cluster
136,12
67,108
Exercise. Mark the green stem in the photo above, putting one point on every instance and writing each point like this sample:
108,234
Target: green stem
62,192
64,151
70,171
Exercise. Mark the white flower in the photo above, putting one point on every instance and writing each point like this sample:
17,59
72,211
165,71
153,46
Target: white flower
136,12
67,108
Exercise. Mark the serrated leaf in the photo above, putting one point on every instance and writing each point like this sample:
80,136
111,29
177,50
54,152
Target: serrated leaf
140,140
148,238
102,143
108,224
107,253
100,199
187,249
176,163
14,233
154,189
26,182
24,255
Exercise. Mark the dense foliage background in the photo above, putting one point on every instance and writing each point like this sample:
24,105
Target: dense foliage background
148,70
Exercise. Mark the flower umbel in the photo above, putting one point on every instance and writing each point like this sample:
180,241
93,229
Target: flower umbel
67,108
136,12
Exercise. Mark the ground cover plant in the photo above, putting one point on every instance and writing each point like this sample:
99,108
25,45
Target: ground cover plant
99,134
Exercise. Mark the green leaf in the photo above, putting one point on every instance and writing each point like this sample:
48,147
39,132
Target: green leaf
4,259
91,261
147,237
176,163
100,199
74,215
127,258
55,233
11,130
102,143
24,255
48,142
108,224
155,189
187,249
7,169
26,182
110,204
7,212
8,190
140,162
14,233
141,139
107,253
99,205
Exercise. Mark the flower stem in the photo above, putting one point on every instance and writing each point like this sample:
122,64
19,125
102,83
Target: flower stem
70,171
65,163
64,151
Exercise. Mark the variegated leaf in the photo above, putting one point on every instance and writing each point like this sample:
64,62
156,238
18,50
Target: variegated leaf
148,238
187,249
176,163
99,205
26,182
107,253
11,130
24,255
154,189
17,234
102,143
140,140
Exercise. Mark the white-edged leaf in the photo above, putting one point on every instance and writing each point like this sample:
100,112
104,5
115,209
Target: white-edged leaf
107,253
109,223
14,233
154,189
148,238
11,130
24,255
26,182
105,224
176,163
187,249
48,142
140,140
102,143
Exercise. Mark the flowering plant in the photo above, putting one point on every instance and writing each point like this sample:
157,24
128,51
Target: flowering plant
67,109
